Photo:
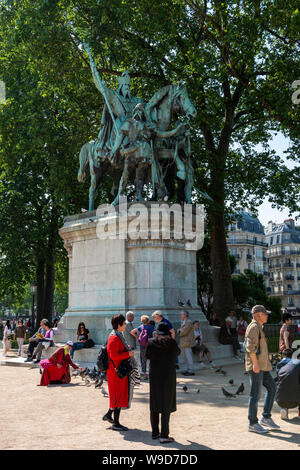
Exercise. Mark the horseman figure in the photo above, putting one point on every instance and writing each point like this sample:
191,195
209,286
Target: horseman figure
135,137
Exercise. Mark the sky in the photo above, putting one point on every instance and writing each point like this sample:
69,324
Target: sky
265,211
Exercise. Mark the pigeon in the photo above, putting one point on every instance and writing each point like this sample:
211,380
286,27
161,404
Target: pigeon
91,220
240,389
181,303
184,388
83,210
75,373
227,394
223,372
189,303
231,382
219,369
99,383
104,392
198,391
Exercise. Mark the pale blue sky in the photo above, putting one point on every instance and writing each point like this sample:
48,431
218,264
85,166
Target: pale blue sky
265,211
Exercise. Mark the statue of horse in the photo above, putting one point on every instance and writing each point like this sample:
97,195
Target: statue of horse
167,103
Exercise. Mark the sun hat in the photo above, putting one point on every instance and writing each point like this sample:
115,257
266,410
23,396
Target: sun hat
259,309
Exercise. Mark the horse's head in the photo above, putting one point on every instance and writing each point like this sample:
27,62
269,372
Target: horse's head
182,103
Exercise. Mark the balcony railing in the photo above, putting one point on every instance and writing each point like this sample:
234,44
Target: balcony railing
289,278
288,265
245,241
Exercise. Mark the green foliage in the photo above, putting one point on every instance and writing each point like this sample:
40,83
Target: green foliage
237,58
249,289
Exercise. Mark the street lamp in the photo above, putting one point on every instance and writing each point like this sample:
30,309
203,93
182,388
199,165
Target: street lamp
33,288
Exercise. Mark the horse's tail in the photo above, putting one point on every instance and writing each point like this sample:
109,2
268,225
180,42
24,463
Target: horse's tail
84,162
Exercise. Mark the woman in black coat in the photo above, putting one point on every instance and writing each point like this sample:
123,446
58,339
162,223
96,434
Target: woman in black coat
162,351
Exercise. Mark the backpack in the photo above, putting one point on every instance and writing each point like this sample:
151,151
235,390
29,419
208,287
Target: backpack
102,360
143,338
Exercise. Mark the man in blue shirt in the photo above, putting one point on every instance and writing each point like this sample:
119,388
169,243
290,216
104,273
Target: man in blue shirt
158,318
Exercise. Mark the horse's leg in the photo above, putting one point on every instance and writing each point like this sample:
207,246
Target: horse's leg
92,190
123,182
83,162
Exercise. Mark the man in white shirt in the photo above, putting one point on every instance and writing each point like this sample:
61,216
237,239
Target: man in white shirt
200,347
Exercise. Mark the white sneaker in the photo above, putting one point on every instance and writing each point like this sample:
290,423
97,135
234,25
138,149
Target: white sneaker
257,428
269,423
202,366
212,365
284,414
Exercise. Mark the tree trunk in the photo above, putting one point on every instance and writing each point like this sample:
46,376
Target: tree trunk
49,291
220,265
40,278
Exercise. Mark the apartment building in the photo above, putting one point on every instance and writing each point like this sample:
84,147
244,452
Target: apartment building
246,242
284,263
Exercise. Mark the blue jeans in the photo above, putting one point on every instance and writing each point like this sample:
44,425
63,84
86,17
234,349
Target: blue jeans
256,381
75,347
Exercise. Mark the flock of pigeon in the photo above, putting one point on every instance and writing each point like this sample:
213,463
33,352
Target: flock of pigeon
92,376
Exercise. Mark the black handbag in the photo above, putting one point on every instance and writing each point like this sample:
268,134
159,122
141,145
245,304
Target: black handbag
124,369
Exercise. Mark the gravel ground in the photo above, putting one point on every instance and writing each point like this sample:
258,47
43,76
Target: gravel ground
70,416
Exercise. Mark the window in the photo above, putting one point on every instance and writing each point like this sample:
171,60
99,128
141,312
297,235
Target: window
278,238
271,241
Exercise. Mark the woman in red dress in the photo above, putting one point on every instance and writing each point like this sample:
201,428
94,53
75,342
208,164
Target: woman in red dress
118,388
57,367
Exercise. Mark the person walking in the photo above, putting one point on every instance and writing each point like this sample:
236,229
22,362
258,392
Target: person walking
120,390
162,351
20,335
258,366
7,334
143,333
187,342
286,335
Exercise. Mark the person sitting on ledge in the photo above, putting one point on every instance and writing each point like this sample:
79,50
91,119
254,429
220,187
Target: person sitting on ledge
83,339
46,342
56,369
226,337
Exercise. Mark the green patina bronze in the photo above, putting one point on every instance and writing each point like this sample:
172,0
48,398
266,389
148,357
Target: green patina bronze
138,143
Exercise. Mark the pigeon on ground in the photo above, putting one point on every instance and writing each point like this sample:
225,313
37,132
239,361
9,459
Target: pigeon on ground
227,394
240,389
184,388
223,372
189,303
83,210
231,382
104,392
99,383
219,369
181,303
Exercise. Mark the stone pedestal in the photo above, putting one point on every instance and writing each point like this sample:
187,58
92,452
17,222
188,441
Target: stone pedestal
113,275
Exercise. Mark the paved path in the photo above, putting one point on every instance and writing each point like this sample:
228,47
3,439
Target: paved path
69,417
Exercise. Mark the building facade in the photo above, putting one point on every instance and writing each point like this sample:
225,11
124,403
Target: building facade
284,263
246,242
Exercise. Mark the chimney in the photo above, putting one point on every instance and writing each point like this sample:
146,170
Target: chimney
290,223
270,226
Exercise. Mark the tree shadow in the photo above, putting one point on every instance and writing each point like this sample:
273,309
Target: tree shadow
285,436
137,435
